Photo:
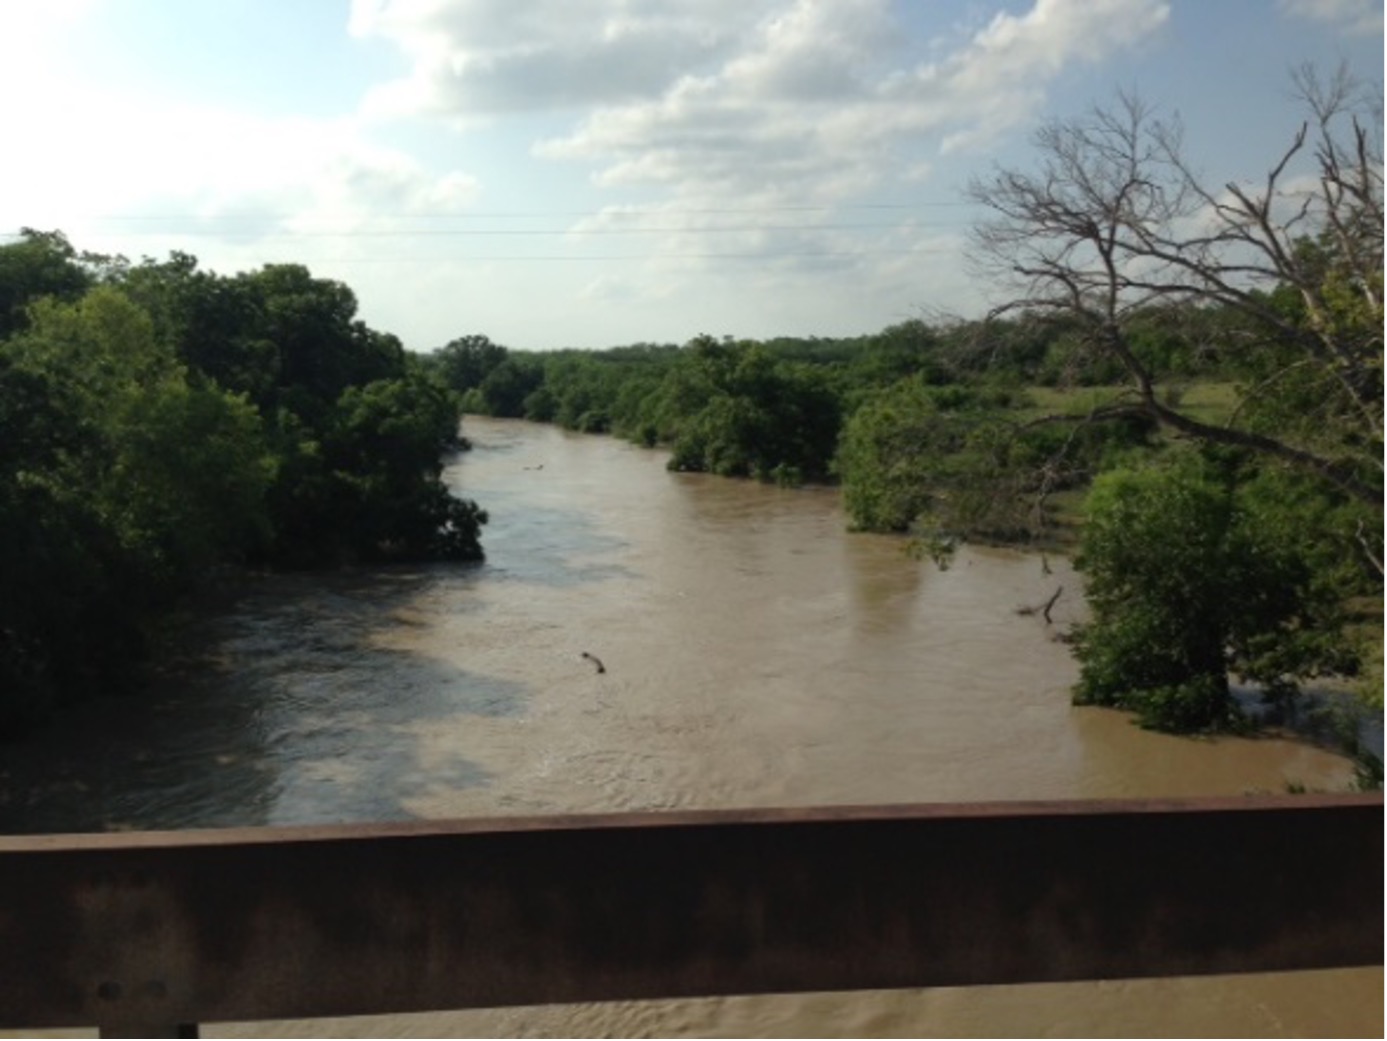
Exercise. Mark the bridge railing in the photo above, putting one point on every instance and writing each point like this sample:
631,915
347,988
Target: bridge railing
143,934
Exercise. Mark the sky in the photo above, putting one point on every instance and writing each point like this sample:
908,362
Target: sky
591,173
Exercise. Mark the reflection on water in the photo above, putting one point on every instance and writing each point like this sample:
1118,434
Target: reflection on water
288,708
757,654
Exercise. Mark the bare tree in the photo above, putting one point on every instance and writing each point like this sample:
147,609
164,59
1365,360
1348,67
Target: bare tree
1115,221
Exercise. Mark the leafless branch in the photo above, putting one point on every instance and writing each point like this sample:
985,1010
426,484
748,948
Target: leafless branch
1116,220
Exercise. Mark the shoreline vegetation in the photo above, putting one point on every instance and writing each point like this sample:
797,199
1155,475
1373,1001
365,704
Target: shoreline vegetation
1203,431
163,424
987,431
1186,379
984,456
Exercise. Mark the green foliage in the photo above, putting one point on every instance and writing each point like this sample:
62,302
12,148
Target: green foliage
41,264
908,349
578,393
364,483
178,472
122,484
384,450
323,349
465,362
956,461
1198,568
168,422
890,455
355,429
738,409
1334,411
732,409
506,387
278,335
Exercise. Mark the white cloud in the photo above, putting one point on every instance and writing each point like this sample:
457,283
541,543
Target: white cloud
129,169
736,115
1000,77
713,98
30,23
1356,17
229,186
474,58
749,128
818,104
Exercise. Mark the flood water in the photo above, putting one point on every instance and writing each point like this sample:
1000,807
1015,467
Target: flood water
756,654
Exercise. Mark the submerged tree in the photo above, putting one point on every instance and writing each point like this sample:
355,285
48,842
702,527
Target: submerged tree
1197,569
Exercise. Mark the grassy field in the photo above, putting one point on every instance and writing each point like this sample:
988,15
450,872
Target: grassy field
1207,402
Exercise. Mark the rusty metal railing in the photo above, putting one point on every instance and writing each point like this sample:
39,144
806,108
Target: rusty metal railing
140,932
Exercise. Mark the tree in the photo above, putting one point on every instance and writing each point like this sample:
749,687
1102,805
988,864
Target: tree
1115,222
955,462
1198,568
1243,563
898,458
732,409
41,263
177,471
383,452
506,386
468,360
215,324
121,484
898,351
322,348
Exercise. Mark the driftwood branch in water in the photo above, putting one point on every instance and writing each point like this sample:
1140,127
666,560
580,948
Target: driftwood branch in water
596,661
1044,609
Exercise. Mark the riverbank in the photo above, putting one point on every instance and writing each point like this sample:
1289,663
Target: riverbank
757,654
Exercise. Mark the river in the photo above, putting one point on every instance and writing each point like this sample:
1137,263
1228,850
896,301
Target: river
756,654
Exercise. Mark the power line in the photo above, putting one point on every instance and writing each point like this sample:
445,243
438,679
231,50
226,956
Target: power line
648,257
367,233
639,211
285,237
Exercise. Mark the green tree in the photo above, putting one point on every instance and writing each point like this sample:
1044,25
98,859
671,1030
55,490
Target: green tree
506,387
733,409
356,427
1114,234
40,264
215,324
322,347
120,486
1196,569
943,462
384,452
890,450
177,471
466,361
906,349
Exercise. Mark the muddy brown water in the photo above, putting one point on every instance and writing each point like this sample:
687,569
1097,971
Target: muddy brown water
757,654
